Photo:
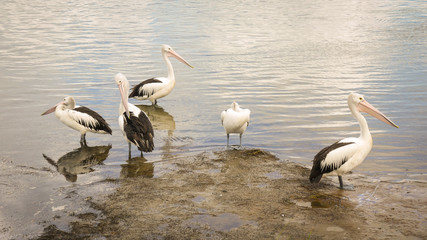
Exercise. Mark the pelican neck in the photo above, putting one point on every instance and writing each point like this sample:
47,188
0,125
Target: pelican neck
364,129
171,75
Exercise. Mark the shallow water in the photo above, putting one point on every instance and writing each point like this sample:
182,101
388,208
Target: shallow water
292,63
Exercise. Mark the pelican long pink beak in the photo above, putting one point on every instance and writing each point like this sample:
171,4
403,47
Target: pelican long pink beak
51,110
177,56
124,99
364,106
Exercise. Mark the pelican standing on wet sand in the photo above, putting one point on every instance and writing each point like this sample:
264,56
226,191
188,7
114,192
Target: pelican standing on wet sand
235,120
79,118
342,156
134,123
155,88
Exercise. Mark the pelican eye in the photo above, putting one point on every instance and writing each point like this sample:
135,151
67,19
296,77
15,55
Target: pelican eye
360,98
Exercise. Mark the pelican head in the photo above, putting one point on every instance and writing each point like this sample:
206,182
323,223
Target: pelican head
235,106
169,52
357,101
67,103
123,85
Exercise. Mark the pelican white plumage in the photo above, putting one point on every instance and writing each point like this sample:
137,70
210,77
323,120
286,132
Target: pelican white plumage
79,118
346,154
134,123
158,87
235,120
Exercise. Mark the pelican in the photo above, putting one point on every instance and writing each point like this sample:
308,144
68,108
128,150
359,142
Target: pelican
79,118
235,120
346,154
134,123
155,88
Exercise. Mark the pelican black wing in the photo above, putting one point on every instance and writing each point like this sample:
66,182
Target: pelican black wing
98,125
139,130
138,90
317,171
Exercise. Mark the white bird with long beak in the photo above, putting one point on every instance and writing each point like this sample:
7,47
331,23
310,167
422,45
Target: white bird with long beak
134,123
346,154
79,118
155,88
235,120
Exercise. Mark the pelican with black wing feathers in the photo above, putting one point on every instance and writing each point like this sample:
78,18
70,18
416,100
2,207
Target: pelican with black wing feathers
346,154
79,118
155,88
134,123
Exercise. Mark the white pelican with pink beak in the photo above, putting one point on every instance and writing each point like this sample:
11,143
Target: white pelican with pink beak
79,118
342,156
155,88
134,123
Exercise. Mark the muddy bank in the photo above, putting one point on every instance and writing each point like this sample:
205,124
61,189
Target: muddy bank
250,194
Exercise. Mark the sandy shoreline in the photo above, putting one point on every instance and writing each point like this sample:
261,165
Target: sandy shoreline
249,194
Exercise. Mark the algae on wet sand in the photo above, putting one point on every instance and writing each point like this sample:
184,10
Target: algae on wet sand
250,194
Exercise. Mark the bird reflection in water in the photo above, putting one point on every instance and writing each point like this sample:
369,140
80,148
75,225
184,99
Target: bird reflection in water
137,167
164,121
79,161
160,119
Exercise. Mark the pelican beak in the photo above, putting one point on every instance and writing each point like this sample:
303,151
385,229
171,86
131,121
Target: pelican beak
51,110
124,99
177,56
364,106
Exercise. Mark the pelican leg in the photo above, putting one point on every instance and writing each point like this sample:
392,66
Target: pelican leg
345,187
241,140
83,140
129,151
228,139
142,155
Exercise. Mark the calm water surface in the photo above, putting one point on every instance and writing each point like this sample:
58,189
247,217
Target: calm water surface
292,63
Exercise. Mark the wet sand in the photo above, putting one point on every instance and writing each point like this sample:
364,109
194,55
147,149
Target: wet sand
249,194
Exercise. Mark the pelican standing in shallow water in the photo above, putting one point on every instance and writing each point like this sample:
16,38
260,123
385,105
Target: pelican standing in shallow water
235,120
134,123
155,88
79,118
342,156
